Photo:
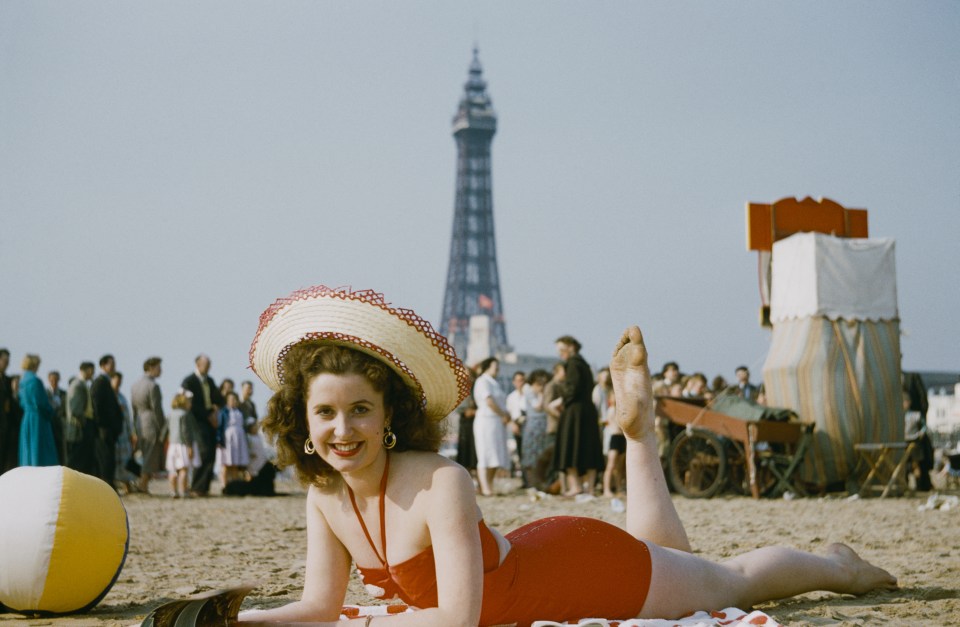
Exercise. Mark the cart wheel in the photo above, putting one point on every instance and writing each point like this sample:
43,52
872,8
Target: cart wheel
740,484
737,474
698,464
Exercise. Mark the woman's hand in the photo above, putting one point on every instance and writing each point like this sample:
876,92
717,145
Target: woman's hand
504,415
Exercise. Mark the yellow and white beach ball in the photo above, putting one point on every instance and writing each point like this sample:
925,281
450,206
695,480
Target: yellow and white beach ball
63,539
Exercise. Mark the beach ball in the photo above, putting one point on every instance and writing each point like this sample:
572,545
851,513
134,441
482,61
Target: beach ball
63,539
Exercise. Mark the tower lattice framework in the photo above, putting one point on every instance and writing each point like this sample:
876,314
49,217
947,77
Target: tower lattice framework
473,282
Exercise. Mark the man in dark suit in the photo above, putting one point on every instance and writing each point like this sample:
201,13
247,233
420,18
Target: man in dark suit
205,404
744,388
109,419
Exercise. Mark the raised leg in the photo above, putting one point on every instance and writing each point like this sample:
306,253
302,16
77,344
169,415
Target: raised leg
650,511
765,574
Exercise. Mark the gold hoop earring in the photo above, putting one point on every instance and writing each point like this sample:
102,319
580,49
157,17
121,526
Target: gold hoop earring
308,447
389,438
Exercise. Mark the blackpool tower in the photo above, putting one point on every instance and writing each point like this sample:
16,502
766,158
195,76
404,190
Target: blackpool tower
472,308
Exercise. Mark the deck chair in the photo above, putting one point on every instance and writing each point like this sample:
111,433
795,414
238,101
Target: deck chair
887,463
783,465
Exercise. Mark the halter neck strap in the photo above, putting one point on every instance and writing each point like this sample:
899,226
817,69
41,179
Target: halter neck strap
383,526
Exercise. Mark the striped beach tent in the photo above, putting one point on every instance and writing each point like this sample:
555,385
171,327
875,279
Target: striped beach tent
835,348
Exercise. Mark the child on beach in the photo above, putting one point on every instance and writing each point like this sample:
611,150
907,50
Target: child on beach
182,454
613,472
232,440
360,389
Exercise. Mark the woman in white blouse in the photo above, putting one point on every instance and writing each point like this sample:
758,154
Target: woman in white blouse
489,426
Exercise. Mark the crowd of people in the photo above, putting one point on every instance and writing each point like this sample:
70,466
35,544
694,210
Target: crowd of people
554,430
93,428
561,423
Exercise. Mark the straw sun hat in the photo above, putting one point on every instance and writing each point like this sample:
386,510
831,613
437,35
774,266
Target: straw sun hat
364,321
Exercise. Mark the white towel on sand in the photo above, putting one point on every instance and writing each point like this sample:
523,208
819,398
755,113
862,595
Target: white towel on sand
730,617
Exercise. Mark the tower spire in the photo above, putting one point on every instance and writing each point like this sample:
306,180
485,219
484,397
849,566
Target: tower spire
476,109
473,282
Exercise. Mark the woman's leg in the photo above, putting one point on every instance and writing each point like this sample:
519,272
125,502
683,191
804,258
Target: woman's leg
608,473
682,583
573,482
486,476
590,479
650,511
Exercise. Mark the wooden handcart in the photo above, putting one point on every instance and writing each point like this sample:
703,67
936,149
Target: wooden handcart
710,451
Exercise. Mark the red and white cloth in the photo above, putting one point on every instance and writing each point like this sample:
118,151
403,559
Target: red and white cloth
730,617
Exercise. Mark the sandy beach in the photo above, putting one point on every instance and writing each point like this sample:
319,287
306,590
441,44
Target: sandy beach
179,547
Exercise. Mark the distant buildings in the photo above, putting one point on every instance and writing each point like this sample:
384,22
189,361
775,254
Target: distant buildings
943,414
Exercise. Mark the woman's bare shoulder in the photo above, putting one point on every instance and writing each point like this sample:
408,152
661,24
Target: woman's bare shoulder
432,470
321,497
426,461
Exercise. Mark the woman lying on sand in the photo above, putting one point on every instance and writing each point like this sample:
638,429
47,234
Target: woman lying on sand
359,390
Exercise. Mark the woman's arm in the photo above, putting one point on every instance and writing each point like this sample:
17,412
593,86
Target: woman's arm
570,385
452,518
454,532
555,408
534,401
492,404
326,578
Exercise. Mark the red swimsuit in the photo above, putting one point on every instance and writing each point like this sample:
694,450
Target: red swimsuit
561,568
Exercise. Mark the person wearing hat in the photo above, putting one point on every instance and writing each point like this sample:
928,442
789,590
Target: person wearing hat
359,390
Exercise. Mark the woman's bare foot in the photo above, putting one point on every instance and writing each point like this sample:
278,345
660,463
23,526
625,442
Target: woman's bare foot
862,575
631,386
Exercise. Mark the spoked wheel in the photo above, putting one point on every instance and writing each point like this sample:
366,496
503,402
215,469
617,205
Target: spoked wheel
698,464
740,482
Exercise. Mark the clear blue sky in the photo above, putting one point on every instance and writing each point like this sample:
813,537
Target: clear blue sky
168,169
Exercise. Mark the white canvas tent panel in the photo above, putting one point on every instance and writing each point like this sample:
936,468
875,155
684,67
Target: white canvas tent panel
821,275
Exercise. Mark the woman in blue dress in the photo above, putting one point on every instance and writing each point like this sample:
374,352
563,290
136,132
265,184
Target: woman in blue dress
37,446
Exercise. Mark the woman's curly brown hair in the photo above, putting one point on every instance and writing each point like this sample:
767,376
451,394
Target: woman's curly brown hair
286,420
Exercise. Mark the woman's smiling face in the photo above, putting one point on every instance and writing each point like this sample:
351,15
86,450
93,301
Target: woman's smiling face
346,418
